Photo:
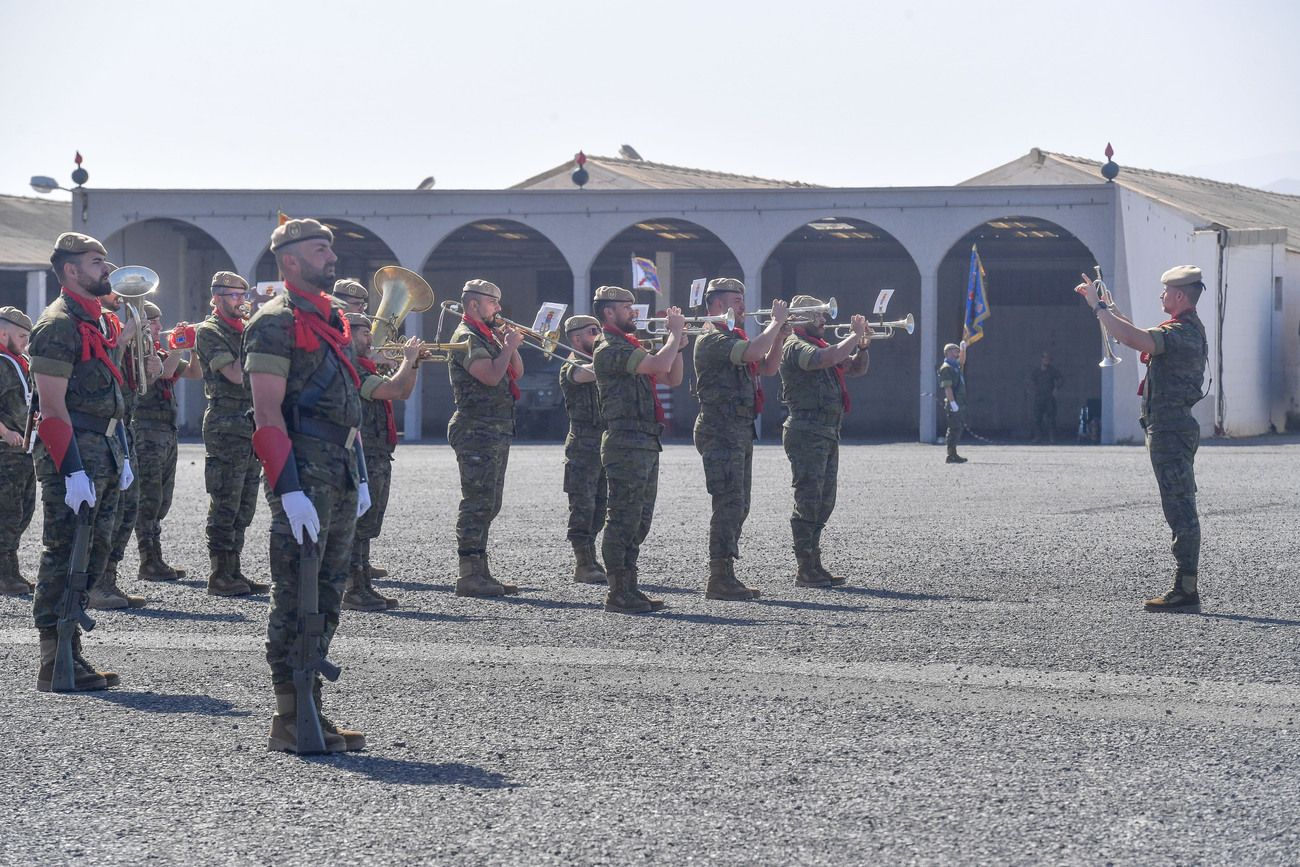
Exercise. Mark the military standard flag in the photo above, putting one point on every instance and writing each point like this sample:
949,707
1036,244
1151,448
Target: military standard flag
977,302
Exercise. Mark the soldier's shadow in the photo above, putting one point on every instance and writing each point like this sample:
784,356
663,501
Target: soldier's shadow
881,593
432,616
408,773
169,614
157,702
1245,618
416,586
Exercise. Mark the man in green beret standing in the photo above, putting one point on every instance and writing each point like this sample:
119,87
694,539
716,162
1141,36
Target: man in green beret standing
307,409
728,381
17,477
1175,352
585,482
814,392
626,375
484,385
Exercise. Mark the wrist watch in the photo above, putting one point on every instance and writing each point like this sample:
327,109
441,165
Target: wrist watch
1101,305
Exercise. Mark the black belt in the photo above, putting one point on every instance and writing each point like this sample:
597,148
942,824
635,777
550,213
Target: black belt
320,429
95,423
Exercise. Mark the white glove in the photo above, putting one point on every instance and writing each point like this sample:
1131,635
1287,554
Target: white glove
363,499
301,514
952,406
78,490
127,476
963,344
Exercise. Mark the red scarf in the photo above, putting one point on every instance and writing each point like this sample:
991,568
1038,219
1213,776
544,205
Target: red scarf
1145,357
654,382
370,367
165,383
839,374
94,342
759,398
308,330
21,360
236,325
490,336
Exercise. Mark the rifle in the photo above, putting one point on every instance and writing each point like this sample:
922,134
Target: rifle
72,611
307,656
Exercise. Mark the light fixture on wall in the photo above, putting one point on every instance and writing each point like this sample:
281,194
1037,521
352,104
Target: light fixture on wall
45,184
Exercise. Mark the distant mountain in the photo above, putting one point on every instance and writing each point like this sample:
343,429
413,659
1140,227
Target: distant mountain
1290,186
1279,173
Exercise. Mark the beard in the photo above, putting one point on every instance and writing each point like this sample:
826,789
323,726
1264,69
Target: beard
814,329
100,288
629,322
322,280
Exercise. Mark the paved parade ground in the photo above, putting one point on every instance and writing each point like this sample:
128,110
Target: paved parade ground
987,688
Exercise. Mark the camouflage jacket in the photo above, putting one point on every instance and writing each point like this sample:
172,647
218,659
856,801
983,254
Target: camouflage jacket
15,396
627,401
217,345
723,382
492,404
157,409
581,400
1175,373
812,397
374,418
56,351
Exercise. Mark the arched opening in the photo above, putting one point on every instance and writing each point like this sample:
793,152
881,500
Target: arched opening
360,252
852,261
530,270
1031,265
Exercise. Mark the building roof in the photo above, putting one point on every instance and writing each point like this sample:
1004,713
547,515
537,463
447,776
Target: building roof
1231,206
28,228
616,173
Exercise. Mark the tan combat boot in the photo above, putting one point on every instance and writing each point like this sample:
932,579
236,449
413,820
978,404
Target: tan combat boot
284,725
586,568
473,580
390,602
85,679
111,678
223,581
257,588
655,604
724,585
820,569
620,599
808,576
1182,597
11,578
152,567
105,595
506,589
353,740
356,595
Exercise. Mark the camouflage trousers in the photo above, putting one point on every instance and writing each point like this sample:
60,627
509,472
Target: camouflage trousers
128,509
728,453
100,459
336,506
633,475
230,474
956,424
814,469
482,453
1173,457
155,447
586,484
379,467
17,497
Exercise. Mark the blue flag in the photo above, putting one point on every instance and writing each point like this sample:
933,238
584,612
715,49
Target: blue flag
977,302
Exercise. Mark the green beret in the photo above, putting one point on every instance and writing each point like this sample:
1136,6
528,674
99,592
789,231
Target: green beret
613,293
75,242
1182,275
152,310
580,321
14,316
482,287
357,320
724,284
229,280
805,301
293,231
349,288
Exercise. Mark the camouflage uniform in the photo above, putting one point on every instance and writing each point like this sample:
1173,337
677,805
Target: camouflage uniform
584,477
378,444
724,434
17,475
950,375
108,594
230,468
321,405
154,433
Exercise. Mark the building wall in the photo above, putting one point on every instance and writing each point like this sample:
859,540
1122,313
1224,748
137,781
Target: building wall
1286,406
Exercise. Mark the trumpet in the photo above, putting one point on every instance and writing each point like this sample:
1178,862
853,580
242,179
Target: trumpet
879,330
1109,358
545,342
800,314
393,350
131,283
658,326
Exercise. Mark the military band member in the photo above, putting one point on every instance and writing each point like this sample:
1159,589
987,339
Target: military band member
483,383
952,394
230,469
379,439
626,375
154,432
80,458
351,296
728,371
17,476
307,408
584,477
817,398
1175,352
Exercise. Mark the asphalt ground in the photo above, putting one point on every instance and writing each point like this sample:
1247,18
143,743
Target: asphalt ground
986,689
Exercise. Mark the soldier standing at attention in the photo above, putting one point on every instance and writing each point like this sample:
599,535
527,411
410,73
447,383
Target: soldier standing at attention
629,449
584,478
952,393
80,459
379,440
307,409
1175,352
230,469
483,385
154,431
17,477
814,393
728,371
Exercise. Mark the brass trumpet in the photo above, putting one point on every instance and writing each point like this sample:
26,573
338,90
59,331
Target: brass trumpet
131,283
394,350
879,330
545,342
658,326
800,314
1109,358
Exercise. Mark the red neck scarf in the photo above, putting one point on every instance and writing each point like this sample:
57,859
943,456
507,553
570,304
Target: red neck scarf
759,397
839,374
165,383
371,368
20,360
1145,357
491,337
309,330
236,325
654,382
94,342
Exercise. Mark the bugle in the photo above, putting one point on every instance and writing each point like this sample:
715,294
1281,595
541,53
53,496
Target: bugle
800,314
394,350
545,342
1109,358
131,283
879,330
658,325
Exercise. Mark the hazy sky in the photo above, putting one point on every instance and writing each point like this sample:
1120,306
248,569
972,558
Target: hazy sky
381,94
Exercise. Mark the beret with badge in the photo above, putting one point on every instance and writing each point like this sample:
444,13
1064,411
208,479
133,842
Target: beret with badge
724,284
1181,275
482,287
74,243
613,293
294,231
14,316
357,320
805,301
582,320
229,280
152,310
349,288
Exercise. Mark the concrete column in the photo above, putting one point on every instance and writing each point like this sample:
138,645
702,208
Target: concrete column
753,273
929,351
36,293
582,290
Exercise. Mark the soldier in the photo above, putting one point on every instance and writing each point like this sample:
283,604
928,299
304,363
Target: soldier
626,375
80,460
379,439
952,393
584,478
814,393
154,432
483,383
307,409
728,367
230,469
1175,352
17,477
352,297
1043,383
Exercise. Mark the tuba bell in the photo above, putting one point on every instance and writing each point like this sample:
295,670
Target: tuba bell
131,283
401,292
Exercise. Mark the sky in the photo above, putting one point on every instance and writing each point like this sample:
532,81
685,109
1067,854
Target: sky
384,93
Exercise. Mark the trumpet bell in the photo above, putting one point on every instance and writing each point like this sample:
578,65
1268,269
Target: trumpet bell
402,292
133,281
